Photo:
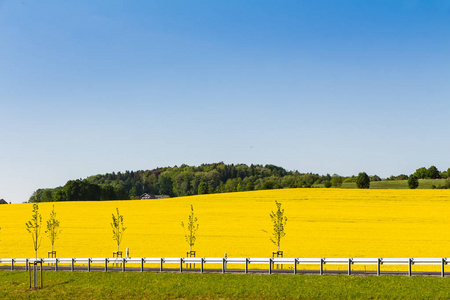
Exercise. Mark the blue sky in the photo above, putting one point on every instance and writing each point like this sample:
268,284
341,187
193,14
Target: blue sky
89,87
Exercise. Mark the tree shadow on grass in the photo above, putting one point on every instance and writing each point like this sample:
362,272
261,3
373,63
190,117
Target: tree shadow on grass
56,284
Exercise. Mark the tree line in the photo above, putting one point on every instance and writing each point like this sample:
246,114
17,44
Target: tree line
178,181
196,180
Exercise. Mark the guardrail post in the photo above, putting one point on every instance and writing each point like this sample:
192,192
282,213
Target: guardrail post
12,264
224,266
123,264
73,265
201,266
142,264
181,265
349,266
246,265
26,264
409,266
378,266
106,264
226,256
321,266
270,266
89,264
56,264
442,267
295,267
161,265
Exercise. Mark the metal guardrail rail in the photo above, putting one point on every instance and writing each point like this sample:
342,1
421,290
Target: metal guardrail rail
224,261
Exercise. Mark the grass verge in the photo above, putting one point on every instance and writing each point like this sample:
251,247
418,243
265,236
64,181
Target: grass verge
99,285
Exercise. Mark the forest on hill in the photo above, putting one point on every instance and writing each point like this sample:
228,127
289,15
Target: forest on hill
205,179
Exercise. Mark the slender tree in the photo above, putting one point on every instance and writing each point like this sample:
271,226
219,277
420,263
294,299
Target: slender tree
190,229
53,227
34,228
279,222
117,228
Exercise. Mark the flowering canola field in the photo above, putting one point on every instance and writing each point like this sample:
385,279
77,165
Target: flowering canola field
321,223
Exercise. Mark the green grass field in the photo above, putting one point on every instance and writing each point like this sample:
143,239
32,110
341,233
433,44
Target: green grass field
395,184
130,285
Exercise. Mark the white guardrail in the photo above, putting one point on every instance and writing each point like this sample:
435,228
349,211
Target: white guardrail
224,261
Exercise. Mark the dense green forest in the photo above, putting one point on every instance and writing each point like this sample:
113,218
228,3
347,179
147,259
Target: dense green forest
205,179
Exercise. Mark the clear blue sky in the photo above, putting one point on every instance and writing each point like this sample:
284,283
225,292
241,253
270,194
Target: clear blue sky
89,87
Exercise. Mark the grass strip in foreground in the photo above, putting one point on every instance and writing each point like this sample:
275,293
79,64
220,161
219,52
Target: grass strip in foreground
98,285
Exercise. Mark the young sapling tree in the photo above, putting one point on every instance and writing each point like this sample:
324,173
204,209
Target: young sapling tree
190,229
34,228
117,228
279,221
53,227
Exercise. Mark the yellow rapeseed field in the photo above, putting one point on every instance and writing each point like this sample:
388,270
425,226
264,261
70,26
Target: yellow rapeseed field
321,223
